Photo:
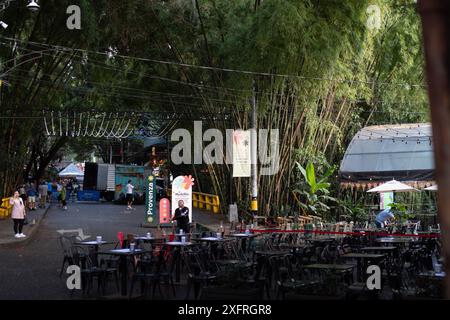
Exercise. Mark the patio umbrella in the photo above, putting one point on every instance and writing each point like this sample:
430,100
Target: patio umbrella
432,188
392,186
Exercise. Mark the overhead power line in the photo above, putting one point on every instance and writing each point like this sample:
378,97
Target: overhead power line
229,70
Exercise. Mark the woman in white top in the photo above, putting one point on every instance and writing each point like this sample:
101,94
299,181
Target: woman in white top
18,214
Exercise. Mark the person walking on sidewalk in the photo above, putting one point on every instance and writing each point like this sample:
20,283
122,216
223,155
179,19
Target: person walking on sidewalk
63,195
129,188
23,193
43,192
18,214
32,193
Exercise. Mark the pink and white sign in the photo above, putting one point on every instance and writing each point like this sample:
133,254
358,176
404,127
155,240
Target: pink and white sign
182,190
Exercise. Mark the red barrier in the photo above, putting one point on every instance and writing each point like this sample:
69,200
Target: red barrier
361,233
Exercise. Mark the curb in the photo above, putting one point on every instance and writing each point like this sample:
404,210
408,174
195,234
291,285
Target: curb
30,235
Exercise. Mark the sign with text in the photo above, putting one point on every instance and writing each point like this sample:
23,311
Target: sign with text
164,211
182,190
150,199
386,198
241,153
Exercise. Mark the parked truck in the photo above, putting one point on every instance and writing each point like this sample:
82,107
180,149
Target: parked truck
110,180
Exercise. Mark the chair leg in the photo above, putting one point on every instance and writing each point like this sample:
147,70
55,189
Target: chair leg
130,294
197,286
62,267
200,290
89,284
173,286
167,285
155,283
143,286
104,282
99,283
267,289
189,284
160,291
116,279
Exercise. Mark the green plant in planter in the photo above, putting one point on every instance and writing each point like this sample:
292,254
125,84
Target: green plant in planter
400,212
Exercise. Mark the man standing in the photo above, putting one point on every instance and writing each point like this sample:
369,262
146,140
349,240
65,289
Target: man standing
31,193
182,217
383,218
43,191
129,188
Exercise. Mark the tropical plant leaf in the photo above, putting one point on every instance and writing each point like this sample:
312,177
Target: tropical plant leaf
302,170
311,175
327,174
323,185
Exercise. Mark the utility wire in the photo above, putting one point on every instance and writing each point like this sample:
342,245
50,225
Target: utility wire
246,72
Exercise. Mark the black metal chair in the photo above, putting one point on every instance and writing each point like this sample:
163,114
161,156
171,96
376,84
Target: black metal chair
145,274
65,244
80,256
199,274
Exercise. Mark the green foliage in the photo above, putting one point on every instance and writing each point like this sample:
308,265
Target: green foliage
339,76
400,212
351,210
314,191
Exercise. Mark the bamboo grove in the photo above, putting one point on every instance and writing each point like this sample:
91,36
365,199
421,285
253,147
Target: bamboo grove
321,73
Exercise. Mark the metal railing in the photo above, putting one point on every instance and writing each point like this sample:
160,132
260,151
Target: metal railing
204,201
5,208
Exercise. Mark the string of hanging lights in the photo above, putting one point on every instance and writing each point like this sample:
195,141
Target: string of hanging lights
84,124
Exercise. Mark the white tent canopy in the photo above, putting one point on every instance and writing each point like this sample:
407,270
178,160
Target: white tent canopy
432,188
392,186
71,171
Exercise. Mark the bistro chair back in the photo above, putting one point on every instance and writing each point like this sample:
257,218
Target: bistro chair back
65,243
79,256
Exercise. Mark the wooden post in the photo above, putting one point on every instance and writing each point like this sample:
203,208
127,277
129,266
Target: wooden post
435,16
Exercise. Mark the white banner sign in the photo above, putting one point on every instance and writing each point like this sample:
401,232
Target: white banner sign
241,153
386,198
182,190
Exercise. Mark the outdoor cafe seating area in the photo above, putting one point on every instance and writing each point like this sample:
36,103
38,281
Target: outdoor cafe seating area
258,264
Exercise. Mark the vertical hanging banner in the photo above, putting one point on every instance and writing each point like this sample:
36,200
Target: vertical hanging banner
386,198
241,153
164,211
182,190
150,199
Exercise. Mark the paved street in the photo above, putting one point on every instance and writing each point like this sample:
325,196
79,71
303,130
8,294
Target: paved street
30,271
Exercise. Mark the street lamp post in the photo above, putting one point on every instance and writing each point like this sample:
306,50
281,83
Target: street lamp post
32,5
254,154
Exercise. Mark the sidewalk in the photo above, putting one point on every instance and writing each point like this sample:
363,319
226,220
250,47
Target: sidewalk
7,233
207,219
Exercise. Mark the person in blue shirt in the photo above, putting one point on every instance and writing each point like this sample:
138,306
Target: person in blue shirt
383,218
32,193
